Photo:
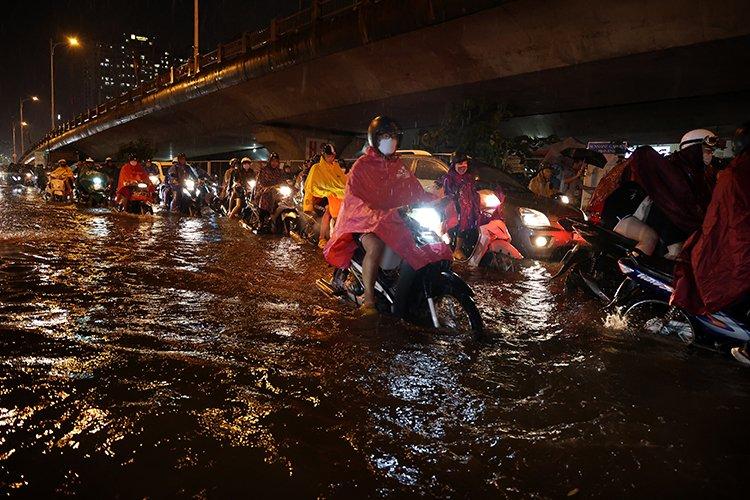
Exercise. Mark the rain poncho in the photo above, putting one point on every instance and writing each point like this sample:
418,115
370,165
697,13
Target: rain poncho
713,271
133,174
375,189
62,172
461,187
325,180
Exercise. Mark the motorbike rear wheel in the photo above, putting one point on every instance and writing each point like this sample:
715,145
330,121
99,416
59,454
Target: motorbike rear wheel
658,317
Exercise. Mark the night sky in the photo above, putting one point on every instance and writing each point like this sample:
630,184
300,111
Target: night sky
26,27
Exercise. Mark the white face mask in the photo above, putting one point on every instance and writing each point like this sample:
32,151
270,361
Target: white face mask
387,146
133,162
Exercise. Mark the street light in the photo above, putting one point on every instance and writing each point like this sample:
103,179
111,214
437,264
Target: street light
70,41
20,107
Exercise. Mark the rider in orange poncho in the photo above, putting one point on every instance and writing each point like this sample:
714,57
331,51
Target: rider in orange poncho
378,184
131,174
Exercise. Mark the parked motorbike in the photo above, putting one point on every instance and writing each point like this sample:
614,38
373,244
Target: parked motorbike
432,296
93,188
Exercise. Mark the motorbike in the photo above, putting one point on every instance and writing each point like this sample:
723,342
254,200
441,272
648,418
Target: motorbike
192,197
432,296
93,188
490,245
58,190
282,220
29,178
645,307
141,200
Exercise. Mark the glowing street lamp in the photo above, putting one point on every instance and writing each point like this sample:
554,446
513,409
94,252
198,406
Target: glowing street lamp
23,123
70,41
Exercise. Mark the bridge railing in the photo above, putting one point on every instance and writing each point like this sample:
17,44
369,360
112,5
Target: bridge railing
247,44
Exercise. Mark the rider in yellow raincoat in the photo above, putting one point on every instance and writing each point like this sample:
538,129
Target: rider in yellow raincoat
325,180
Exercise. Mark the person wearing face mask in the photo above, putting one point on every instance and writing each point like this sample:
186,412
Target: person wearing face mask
178,173
378,184
240,186
270,175
710,143
325,180
459,186
131,174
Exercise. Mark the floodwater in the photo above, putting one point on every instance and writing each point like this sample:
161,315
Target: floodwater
166,356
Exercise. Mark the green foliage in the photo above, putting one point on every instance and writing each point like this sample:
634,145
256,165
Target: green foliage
473,127
142,148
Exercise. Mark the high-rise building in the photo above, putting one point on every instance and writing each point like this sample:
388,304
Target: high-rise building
121,66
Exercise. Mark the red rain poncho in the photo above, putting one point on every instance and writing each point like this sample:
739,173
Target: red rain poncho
133,174
713,271
461,186
376,187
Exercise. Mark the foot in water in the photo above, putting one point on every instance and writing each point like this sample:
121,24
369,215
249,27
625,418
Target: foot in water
322,242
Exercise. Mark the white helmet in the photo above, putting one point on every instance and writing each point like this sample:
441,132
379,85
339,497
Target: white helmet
698,136
246,160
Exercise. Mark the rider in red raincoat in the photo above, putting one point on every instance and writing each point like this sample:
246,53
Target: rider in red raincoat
378,184
132,173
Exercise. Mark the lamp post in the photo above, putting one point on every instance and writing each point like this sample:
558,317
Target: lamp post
71,41
15,154
20,108
196,50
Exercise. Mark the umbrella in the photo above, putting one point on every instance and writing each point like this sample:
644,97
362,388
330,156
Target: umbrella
590,157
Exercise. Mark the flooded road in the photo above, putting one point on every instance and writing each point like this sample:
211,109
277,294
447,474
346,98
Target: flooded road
165,356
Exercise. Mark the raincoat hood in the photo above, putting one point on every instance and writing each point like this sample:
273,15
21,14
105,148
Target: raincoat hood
325,180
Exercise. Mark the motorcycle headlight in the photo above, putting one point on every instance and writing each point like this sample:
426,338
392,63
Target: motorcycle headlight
428,218
251,183
28,175
285,191
491,201
16,178
154,179
142,185
97,182
189,184
564,199
184,190
533,218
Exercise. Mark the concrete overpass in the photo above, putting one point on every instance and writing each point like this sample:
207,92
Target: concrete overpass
634,69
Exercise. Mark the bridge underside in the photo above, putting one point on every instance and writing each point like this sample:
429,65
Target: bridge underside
555,78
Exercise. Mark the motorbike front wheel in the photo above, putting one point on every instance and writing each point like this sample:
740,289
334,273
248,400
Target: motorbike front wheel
658,317
456,312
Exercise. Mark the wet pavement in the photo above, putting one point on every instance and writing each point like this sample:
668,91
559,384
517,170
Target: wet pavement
166,356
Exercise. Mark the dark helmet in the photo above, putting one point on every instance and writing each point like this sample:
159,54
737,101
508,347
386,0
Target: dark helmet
181,155
458,157
328,149
741,139
381,125
273,156
132,156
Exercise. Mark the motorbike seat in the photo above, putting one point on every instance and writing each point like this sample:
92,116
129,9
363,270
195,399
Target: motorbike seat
609,241
658,267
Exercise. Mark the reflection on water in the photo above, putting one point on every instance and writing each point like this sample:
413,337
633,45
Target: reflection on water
163,356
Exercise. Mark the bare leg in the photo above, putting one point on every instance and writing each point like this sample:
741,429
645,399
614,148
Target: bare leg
374,247
236,208
324,224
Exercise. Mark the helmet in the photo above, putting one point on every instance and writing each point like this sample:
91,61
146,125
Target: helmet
89,159
233,161
181,155
741,139
108,158
328,149
458,157
381,125
273,156
245,159
62,162
699,135
131,157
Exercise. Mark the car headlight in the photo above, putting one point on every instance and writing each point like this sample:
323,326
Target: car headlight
154,179
251,183
428,218
491,201
142,185
189,184
533,218
97,182
564,199
285,191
